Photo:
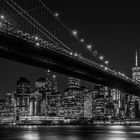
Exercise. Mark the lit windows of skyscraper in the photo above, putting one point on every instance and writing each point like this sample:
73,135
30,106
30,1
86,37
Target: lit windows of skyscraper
53,97
74,82
88,104
35,104
136,69
49,80
40,86
74,99
135,101
53,104
22,96
99,103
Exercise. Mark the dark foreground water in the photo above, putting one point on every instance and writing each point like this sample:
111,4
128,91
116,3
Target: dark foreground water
70,133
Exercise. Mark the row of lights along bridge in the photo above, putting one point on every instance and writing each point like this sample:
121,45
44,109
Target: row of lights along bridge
39,42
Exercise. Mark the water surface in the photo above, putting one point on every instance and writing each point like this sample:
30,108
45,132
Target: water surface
70,133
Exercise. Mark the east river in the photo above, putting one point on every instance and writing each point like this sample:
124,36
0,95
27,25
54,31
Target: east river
70,133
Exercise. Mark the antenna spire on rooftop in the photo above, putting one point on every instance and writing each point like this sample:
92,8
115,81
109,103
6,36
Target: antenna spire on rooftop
136,57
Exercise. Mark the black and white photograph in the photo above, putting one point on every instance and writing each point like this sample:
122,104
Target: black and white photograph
69,70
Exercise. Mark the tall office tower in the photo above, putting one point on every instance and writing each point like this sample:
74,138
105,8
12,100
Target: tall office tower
136,69
53,104
53,97
49,81
115,95
74,82
23,96
73,99
8,99
136,100
99,103
40,86
79,103
109,104
54,84
35,104
88,104
10,103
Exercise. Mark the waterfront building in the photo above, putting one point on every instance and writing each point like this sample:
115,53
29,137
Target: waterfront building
8,109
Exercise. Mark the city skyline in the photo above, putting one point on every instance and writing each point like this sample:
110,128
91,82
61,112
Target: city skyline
69,70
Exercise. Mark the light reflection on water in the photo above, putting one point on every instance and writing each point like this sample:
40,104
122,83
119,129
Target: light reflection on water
70,133
30,136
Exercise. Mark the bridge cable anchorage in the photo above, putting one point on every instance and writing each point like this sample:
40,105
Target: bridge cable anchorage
40,25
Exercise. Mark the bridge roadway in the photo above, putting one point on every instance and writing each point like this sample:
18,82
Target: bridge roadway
25,48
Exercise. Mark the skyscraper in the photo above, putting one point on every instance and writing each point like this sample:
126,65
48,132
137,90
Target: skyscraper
23,96
99,103
136,69
88,104
51,83
135,101
35,104
74,99
40,86
53,97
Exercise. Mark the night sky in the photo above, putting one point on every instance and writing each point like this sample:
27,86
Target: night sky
114,27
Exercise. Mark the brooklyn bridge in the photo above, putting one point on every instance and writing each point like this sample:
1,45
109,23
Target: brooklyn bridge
37,37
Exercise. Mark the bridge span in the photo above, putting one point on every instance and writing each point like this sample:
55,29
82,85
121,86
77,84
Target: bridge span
22,47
